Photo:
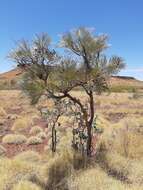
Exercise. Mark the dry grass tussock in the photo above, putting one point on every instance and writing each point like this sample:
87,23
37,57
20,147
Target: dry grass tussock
42,135
3,113
33,140
59,172
26,185
96,178
12,171
29,170
2,151
21,125
120,153
2,127
29,156
14,139
123,169
35,130
125,138
56,172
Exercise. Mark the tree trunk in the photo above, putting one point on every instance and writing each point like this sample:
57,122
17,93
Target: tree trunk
89,124
89,140
54,139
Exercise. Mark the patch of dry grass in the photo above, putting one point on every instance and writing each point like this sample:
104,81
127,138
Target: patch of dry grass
126,138
97,179
12,171
122,141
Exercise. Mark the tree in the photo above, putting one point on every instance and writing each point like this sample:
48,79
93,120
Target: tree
56,76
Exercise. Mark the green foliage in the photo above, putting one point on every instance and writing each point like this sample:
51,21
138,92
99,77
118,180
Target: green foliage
32,87
82,41
46,71
56,76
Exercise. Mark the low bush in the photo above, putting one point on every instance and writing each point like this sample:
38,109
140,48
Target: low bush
14,139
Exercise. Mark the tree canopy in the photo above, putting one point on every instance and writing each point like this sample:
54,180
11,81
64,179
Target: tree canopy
56,76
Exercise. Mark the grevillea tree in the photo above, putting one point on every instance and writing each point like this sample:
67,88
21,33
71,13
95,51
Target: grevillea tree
87,69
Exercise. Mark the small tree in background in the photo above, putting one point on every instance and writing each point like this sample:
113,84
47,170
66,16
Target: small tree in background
56,77
59,108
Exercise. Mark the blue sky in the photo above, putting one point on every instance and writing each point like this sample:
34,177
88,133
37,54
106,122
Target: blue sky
122,20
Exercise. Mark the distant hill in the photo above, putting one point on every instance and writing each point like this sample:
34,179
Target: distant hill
125,83
117,83
10,75
9,80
